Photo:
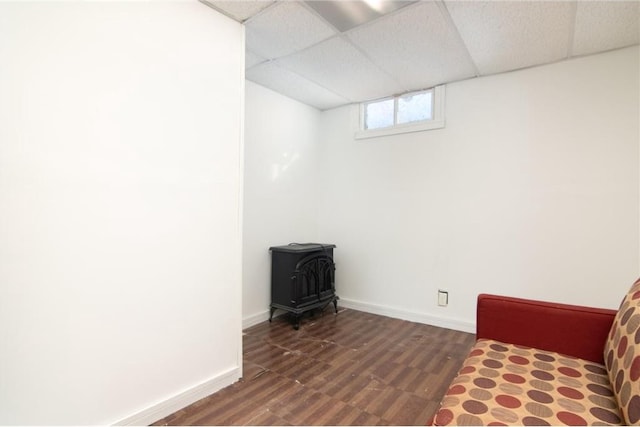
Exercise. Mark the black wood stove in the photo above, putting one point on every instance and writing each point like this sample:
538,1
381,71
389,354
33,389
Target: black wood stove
302,278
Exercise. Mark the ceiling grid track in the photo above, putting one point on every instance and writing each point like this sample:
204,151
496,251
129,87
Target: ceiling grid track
314,82
366,55
378,67
344,35
264,10
572,28
447,17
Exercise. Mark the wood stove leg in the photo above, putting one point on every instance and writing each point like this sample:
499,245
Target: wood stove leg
335,305
296,322
271,311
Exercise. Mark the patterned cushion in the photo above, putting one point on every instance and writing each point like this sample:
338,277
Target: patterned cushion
502,384
622,355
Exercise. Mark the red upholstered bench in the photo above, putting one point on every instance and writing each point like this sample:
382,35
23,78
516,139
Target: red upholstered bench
540,363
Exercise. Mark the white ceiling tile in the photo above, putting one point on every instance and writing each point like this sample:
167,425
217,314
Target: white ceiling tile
417,45
507,35
606,25
285,28
292,50
251,59
337,65
294,86
240,10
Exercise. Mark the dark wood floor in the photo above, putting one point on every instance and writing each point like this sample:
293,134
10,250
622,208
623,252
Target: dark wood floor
352,368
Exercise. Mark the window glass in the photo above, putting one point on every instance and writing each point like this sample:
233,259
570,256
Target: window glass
415,107
411,112
379,114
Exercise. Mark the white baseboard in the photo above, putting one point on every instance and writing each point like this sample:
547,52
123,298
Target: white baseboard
167,407
383,310
254,319
412,316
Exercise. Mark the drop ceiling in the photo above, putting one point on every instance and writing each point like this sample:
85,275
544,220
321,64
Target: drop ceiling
331,53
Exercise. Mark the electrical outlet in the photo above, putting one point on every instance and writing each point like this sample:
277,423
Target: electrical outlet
443,298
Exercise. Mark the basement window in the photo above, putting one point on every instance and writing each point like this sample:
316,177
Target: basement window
411,112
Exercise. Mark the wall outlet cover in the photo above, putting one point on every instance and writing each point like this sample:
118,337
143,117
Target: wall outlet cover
443,298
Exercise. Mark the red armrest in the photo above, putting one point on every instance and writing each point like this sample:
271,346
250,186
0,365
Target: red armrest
568,329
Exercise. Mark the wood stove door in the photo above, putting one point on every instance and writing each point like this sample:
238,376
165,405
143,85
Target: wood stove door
314,279
326,277
305,286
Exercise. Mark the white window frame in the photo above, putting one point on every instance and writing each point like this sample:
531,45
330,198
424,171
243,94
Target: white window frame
437,122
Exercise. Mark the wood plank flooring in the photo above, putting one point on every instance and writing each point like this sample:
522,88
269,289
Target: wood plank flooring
350,368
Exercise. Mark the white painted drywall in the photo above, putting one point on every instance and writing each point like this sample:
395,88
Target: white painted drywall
120,236
281,186
531,190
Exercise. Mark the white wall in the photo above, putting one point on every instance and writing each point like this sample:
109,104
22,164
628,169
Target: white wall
281,187
120,171
531,190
